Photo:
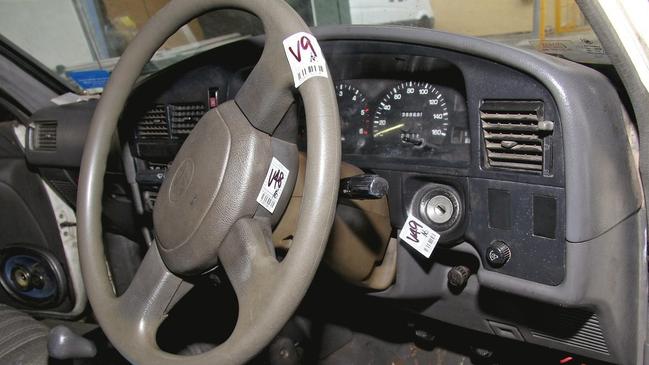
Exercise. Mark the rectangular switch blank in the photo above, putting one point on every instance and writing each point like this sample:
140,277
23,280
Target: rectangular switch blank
545,216
500,209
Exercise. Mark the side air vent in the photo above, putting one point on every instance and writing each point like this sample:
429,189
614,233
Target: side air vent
184,118
515,134
153,124
574,327
44,136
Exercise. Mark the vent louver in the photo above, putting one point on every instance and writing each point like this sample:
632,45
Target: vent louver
154,123
576,328
44,137
184,118
514,135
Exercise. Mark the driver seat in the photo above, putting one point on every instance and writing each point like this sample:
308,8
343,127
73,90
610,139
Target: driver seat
23,340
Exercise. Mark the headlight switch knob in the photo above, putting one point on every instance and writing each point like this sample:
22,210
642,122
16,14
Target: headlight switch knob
498,253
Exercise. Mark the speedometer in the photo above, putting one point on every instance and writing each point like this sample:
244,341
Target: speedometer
411,114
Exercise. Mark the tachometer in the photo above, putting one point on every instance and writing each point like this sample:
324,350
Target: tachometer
354,116
412,114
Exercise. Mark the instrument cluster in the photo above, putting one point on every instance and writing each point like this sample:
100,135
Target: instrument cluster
401,119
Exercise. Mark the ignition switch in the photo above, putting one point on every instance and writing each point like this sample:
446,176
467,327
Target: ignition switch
440,209
439,206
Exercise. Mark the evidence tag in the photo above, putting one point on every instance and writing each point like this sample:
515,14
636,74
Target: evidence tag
305,57
419,236
271,189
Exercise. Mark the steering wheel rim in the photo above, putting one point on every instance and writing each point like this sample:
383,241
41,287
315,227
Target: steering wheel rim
268,291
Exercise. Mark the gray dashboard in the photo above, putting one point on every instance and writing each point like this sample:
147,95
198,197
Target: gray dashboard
565,198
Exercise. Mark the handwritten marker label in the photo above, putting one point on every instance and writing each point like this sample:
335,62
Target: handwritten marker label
419,236
305,57
271,189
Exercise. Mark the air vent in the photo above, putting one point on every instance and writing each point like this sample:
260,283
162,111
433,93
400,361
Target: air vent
153,124
515,135
44,136
184,118
574,327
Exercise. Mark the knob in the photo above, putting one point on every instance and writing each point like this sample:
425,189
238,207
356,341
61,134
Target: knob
63,344
363,187
458,276
498,253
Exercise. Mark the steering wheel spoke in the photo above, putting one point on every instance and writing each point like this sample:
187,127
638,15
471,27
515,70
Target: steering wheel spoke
247,259
152,293
266,95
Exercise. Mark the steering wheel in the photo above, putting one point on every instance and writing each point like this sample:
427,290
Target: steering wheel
206,213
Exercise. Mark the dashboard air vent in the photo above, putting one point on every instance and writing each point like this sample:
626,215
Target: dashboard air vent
514,135
184,118
153,124
44,137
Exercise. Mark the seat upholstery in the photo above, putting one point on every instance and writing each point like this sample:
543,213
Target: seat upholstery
23,340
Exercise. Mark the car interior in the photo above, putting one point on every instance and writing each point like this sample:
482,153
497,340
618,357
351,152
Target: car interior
426,197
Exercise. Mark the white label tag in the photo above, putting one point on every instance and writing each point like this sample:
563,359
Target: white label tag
418,235
305,57
271,189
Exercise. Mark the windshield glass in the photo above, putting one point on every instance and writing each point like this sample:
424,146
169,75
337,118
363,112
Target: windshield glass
81,40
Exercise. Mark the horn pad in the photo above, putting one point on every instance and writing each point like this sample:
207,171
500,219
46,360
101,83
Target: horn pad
212,183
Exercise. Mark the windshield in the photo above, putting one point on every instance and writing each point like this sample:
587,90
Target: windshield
81,40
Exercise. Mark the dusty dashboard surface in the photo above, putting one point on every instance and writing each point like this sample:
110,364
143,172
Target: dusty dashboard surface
432,122
483,141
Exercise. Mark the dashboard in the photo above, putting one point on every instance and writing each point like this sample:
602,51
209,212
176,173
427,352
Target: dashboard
419,117
541,185
401,119
422,118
